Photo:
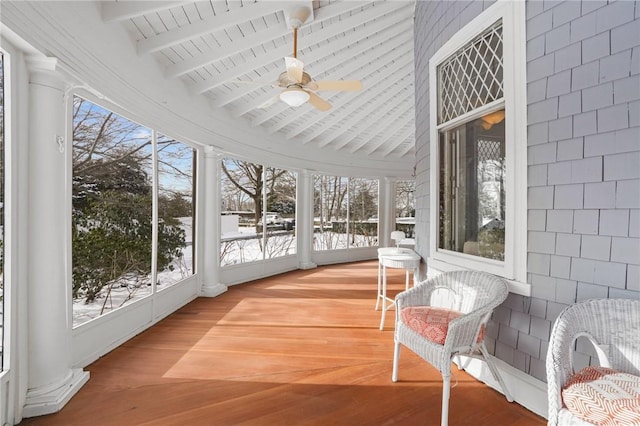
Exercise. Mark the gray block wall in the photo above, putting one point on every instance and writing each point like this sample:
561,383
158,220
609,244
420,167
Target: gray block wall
583,154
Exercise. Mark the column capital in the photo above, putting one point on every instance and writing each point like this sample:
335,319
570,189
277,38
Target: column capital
44,71
210,152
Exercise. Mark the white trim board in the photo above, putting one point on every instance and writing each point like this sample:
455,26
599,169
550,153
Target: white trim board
526,390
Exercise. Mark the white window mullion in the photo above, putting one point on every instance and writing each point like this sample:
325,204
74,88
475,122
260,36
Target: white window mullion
154,214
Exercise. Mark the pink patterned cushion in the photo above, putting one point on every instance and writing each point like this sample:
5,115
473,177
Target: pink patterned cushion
431,323
603,396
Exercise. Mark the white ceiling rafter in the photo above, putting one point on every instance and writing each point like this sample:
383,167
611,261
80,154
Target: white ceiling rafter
212,47
229,48
378,83
398,96
336,98
386,136
399,140
357,110
314,38
382,25
335,63
353,112
409,144
383,122
123,10
360,139
224,20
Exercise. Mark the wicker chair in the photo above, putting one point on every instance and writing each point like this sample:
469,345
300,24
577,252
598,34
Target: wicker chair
611,325
473,294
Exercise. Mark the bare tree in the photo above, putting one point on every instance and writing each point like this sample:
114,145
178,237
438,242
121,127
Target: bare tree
248,179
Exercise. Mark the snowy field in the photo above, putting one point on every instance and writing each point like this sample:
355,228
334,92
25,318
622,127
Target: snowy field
236,247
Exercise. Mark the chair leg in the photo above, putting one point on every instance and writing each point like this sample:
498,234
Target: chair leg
396,358
495,372
446,389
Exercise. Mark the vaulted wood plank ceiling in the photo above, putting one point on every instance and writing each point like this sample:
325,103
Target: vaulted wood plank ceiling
231,52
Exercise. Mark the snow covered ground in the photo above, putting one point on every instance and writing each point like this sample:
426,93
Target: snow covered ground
236,247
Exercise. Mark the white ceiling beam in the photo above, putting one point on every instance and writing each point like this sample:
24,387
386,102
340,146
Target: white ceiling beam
410,146
206,26
399,140
362,112
398,87
372,87
392,130
380,41
378,117
311,39
351,68
123,10
228,47
368,31
383,123
383,131
363,106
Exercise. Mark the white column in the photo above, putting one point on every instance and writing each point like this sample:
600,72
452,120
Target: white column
210,220
52,381
304,219
387,213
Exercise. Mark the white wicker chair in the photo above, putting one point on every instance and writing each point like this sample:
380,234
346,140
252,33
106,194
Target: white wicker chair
476,295
612,327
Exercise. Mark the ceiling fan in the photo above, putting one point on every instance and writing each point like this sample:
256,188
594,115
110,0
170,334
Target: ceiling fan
299,87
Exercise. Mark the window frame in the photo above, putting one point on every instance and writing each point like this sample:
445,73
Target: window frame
513,101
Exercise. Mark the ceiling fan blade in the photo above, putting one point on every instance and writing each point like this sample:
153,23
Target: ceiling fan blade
294,69
272,100
339,85
318,102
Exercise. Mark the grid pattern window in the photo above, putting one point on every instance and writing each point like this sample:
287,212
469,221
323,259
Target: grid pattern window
478,150
345,212
473,76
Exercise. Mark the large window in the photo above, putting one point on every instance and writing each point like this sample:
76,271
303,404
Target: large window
478,144
113,227
472,191
258,212
345,212
406,207
176,218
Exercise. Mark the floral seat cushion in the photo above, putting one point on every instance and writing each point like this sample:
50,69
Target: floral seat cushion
430,322
603,396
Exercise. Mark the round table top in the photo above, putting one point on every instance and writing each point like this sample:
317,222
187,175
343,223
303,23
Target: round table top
398,257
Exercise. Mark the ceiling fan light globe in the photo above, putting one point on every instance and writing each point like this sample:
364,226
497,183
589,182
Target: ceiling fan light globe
294,97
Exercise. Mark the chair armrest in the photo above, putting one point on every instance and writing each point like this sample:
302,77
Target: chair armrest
463,331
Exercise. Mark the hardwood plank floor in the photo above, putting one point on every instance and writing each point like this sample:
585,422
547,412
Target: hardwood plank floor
301,348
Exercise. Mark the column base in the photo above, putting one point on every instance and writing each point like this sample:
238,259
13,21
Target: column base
307,265
212,290
52,398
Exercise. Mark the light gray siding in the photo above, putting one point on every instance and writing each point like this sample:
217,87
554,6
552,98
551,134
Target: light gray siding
583,156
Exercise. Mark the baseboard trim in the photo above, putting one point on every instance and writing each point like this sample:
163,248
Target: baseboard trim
212,290
52,398
526,390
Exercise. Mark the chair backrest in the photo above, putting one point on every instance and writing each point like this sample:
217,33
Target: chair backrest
471,290
612,326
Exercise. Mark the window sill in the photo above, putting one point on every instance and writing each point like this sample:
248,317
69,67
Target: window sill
436,267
